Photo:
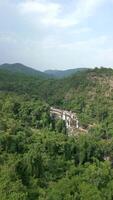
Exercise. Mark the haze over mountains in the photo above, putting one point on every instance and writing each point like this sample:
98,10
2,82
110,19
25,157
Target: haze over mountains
20,68
56,100
63,73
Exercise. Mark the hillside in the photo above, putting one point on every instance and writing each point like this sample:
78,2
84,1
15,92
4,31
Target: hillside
63,73
38,160
20,68
88,93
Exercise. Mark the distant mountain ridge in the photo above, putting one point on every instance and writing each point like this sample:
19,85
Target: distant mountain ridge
64,73
20,68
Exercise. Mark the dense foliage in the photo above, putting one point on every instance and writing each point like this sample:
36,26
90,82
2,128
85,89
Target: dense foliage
38,161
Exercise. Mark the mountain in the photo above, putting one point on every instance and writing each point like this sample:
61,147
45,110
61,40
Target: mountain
89,93
20,68
64,73
37,158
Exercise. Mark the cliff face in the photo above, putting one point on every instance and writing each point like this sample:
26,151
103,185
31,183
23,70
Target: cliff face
70,118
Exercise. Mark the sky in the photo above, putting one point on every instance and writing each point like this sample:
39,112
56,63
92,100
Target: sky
57,34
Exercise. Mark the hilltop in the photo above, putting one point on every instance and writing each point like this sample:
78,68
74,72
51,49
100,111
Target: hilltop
20,68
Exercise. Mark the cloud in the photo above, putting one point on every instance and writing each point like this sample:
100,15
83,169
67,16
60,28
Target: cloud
8,38
85,53
56,53
56,33
86,8
37,6
46,12
53,14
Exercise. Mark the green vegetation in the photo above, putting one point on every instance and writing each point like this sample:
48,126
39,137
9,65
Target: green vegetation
63,73
20,68
38,161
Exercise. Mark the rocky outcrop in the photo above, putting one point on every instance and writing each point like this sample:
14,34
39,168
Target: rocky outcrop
69,117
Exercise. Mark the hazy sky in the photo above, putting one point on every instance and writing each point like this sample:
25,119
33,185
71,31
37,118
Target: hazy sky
57,34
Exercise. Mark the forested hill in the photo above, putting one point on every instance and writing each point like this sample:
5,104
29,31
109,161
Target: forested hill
20,68
38,161
64,73
88,93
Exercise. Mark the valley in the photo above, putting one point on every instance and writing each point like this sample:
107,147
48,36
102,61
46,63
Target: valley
56,100
56,135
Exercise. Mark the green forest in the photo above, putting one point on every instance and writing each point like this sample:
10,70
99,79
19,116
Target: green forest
38,160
